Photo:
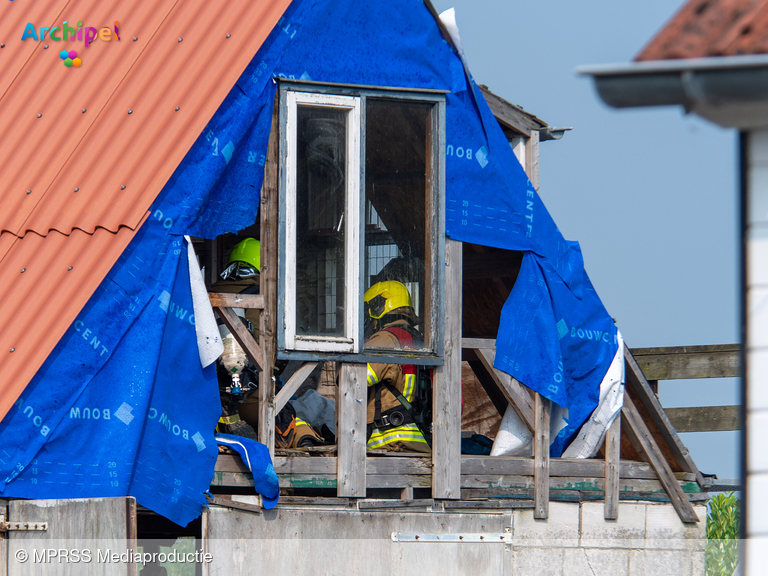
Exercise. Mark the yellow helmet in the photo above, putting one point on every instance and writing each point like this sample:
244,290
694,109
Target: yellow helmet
384,297
248,251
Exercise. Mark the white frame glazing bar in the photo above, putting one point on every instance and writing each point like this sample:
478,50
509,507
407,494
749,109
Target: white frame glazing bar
350,342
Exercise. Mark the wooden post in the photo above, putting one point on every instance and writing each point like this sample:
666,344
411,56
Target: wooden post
612,464
532,159
446,387
541,408
268,289
351,422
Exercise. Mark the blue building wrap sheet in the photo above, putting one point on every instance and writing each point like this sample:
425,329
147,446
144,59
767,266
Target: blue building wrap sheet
123,406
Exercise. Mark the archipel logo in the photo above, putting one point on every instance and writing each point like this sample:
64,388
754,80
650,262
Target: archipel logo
64,32
70,58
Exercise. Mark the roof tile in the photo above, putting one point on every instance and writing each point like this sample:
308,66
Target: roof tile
79,171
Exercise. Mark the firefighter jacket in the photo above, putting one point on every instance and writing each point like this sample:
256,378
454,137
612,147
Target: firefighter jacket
406,437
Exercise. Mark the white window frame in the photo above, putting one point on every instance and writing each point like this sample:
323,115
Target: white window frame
350,342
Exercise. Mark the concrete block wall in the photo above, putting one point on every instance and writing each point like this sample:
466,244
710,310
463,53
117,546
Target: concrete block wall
648,539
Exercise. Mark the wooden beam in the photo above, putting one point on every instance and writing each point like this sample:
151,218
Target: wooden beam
219,300
486,381
636,379
644,442
293,384
683,362
541,457
532,159
351,407
510,115
475,343
612,469
705,418
268,288
446,387
518,396
241,334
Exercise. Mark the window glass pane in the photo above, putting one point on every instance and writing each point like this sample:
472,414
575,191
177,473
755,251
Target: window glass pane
320,206
396,231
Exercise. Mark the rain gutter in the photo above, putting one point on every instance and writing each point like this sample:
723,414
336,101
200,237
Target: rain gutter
728,90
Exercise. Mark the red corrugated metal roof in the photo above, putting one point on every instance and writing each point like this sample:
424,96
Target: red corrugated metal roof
704,28
78,171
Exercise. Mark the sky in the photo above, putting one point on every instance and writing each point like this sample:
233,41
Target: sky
650,194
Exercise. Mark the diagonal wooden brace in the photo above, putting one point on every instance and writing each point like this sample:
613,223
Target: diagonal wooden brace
293,384
636,379
241,334
645,444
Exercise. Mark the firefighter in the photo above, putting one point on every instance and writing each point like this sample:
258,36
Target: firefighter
392,388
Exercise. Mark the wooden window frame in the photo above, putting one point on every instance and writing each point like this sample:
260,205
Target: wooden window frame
350,348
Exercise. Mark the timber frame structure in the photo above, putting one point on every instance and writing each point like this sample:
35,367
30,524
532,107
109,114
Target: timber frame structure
642,458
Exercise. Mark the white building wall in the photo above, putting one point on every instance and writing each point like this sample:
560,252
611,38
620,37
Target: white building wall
756,238
576,540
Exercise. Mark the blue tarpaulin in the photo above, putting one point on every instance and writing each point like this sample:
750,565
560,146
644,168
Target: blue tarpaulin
123,406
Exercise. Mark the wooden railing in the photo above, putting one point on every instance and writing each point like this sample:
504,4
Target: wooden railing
689,362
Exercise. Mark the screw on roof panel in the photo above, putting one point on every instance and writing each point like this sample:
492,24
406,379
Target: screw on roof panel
45,47
77,189
130,111
39,115
122,187
29,191
180,39
83,110
134,38
13,349
23,270
2,45
69,269
177,108
228,35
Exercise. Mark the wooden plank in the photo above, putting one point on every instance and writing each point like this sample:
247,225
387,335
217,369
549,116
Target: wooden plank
705,418
406,493
242,335
683,362
532,159
312,501
488,504
132,531
95,524
219,300
636,379
268,288
645,443
378,504
478,343
509,115
576,467
446,387
575,484
541,457
612,469
351,405
518,396
293,384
